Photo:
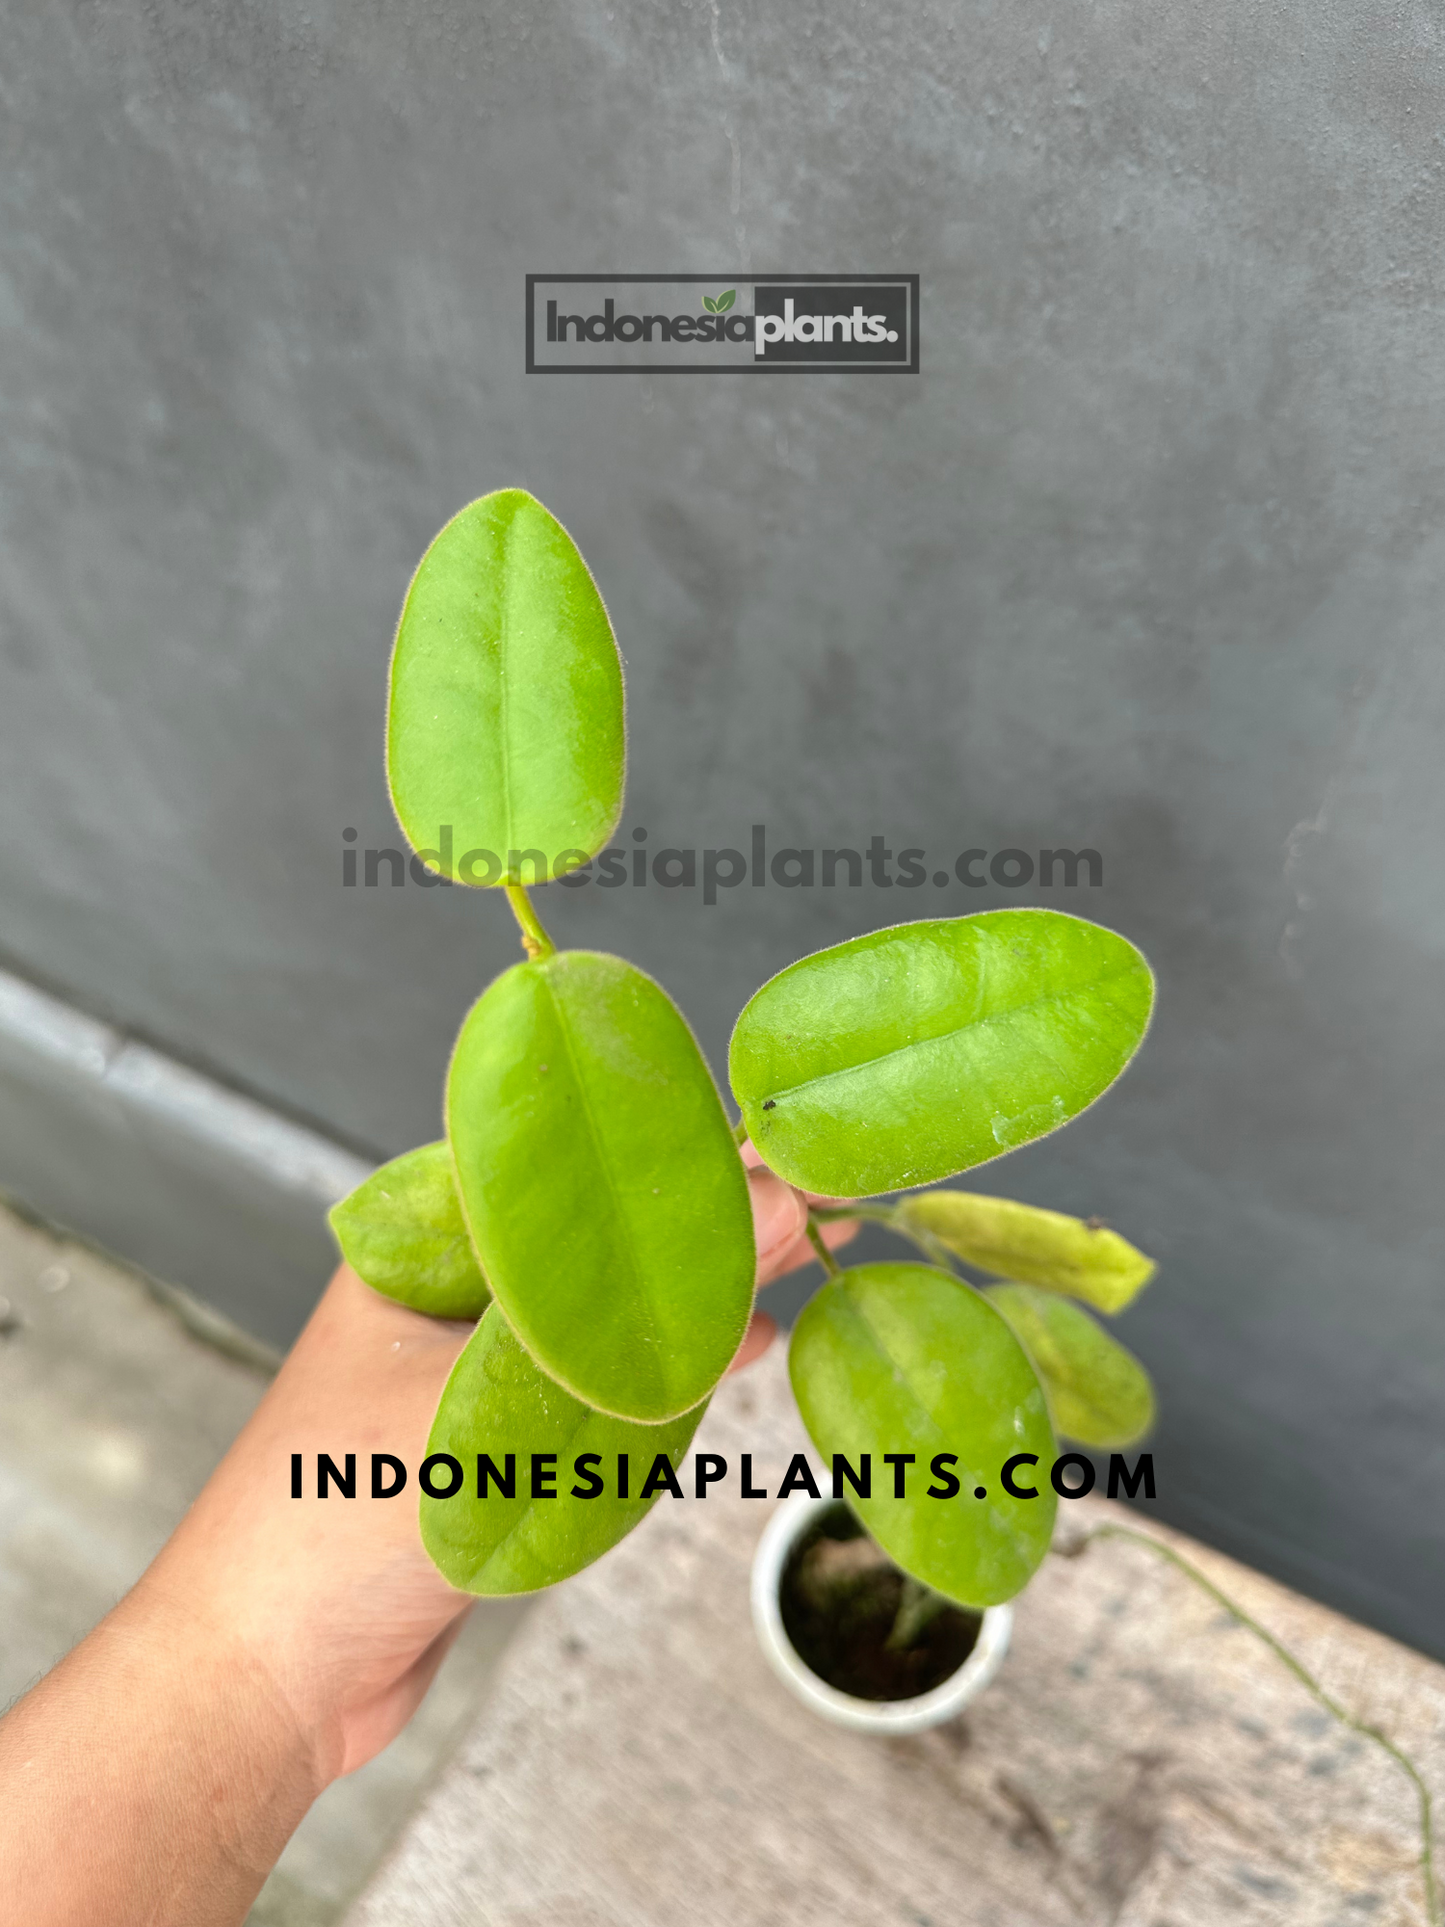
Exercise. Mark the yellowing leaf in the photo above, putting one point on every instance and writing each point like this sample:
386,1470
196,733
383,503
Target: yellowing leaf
1023,1241
1098,1393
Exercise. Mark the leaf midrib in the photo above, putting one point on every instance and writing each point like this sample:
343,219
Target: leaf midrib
895,1367
503,648
529,1508
945,1037
614,1195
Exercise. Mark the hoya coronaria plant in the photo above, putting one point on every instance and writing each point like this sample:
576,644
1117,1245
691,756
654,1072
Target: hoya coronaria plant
588,1206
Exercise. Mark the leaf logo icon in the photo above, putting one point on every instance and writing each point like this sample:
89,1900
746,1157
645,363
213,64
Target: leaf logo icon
722,303
709,304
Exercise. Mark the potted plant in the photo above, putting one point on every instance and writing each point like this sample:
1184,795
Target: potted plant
857,1635
587,1206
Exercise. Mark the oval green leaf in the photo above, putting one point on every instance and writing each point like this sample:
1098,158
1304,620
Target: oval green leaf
497,1402
1012,1240
601,1183
402,1232
1098,1393
505,718
903,1358
917,1052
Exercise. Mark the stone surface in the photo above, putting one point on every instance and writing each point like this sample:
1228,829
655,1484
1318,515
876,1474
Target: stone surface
1142,1761
112,1414
1148,558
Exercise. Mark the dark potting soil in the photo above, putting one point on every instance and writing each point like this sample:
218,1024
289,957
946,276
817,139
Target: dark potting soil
840,1596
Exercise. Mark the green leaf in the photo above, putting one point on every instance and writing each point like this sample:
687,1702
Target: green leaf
709,304
903,1358
725,301
1098,1393
1040,1247
916,1052
403,1233
496,1402
601,1183
505,721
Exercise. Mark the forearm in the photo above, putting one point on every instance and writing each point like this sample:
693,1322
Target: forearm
157,1767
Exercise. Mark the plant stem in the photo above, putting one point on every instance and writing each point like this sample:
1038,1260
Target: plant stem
835,1213
740,1131
918,1606
535,940
1306,1679
932,1248
825,1257
929,1245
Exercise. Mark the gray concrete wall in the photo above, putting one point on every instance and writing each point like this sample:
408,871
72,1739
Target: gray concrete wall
1148,557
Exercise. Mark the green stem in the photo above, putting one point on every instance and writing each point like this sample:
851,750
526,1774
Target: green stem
1306,1679
931,1247
934,1249
825,1257
740,1131
918,1606
535,940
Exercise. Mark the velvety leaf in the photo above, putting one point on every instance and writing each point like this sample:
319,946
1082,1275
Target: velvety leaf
913,1053
904,1358
403,1233
505,723
497,1402
1040,1247
1098,1393
601,1183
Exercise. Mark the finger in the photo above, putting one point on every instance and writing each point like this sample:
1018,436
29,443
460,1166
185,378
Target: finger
752,1158
801,1251
759,1335
779,1216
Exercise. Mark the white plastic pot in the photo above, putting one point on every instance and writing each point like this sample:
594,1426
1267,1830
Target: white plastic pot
884,1717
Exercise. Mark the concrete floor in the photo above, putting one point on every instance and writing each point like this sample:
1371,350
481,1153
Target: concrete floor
115,1404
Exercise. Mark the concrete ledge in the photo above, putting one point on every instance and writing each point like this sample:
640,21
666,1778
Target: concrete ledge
195,1184
1141,1761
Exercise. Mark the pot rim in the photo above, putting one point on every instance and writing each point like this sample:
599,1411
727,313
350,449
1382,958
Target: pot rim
885,1717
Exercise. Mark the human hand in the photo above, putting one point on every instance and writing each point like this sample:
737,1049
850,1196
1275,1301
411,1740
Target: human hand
274,1644
340,1601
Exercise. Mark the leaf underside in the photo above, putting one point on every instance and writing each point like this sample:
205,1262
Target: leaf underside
1098,1393
402,1232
